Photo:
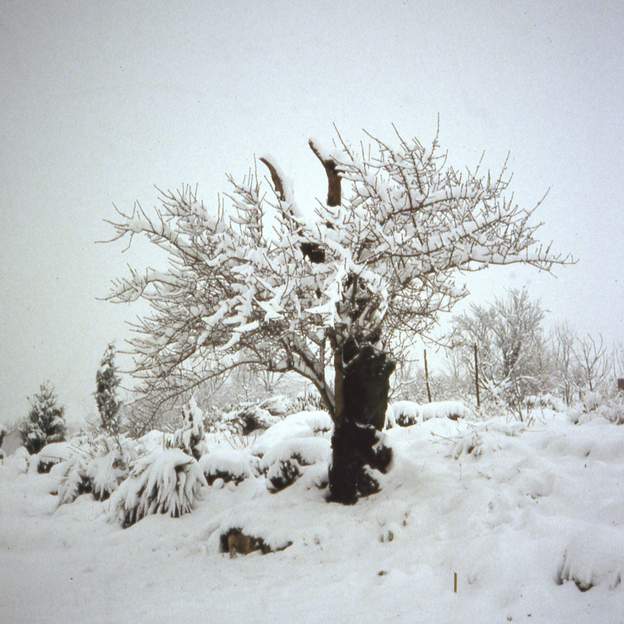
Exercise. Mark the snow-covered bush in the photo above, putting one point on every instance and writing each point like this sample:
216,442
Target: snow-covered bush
277,405
299,425
593,559
230,465
596,406
406,413
244,419
51,455
106,472
45,422
484,439
74,479
252,418
97,465
545,401
308,400
284,463
165,482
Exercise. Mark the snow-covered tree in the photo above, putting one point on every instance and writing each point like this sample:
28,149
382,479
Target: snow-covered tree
323,295
45,422
513,354
566,370
190,436
593,362
107,381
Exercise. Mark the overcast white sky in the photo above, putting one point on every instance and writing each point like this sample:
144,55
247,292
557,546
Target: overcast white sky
99,101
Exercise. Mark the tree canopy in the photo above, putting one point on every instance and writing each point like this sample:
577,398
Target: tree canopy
258,280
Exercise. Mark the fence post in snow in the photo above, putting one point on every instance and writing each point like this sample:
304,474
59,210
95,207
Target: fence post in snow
427,377
476,365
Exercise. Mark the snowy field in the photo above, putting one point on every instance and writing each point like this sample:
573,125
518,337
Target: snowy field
530,518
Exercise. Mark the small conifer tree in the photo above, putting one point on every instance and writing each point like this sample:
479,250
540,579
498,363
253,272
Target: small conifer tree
107,381
45,422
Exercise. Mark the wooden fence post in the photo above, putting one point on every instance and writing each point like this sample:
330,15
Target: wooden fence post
476,365
427,377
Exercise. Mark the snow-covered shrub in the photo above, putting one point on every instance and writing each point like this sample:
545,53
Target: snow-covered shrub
74,479
97,465
484,439
253,418
407,413
243,419
402,414
307,401
283,463
230,465
299,425
106,472
545,401
45,422
166,482
190,436
591,560
52,454
277,405
595,406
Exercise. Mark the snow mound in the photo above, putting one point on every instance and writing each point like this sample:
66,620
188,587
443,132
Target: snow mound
18,461
306,451
593,559
51,454
151,441
484,439
406,413
284,462
166,482
277,405
231,465
299,425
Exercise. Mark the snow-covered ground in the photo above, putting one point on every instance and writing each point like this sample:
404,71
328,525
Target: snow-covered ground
526,517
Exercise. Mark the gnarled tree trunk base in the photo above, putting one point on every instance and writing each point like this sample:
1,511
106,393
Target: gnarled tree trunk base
357,448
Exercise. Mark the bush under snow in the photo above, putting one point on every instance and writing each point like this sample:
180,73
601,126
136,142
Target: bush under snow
165,482
299,425
284,462
230,465
406,413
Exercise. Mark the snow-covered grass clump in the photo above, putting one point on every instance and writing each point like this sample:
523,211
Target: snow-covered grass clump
406,413
165,482
593,406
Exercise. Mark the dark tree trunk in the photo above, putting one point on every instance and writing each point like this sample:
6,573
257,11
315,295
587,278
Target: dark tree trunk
356,447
